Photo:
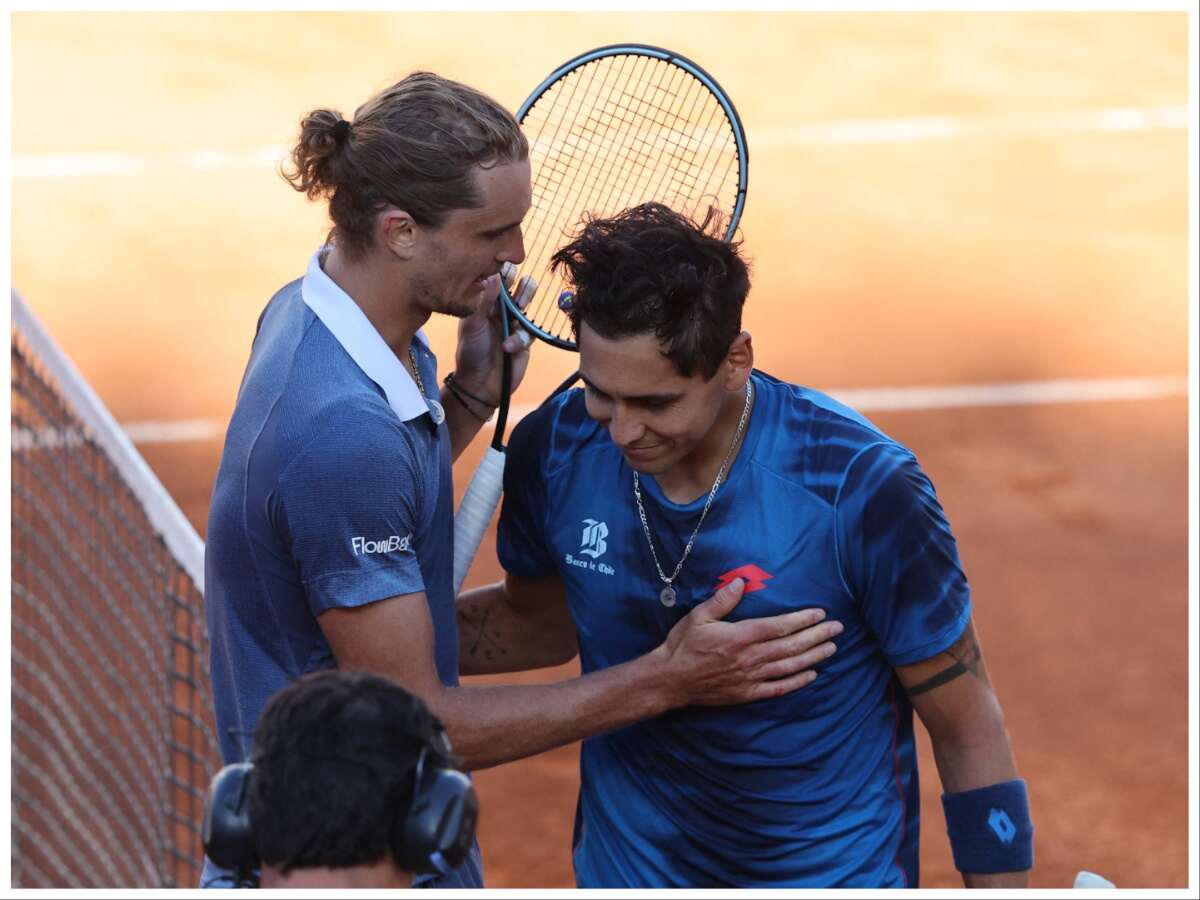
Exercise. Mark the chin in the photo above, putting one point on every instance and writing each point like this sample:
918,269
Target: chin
459,309
654,465
459,305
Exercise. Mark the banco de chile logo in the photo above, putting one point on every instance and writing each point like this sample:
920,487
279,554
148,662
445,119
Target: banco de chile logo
592,543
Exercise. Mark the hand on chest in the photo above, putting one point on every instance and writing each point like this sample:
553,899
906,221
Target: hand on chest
622,565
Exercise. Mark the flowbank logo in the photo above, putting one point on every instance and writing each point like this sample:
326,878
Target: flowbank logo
390,544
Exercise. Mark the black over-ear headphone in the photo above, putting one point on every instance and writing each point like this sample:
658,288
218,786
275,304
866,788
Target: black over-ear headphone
434,837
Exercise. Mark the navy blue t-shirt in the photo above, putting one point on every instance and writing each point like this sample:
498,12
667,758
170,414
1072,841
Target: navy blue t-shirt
324,498
820,509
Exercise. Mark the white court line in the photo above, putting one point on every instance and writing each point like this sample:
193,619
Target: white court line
79,165
933,128
848,131
865,400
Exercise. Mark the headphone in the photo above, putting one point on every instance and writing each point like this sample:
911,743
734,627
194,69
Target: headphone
433,838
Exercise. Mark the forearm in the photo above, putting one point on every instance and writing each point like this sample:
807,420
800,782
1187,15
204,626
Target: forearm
494,637
976,758
493,725
464,419
704,661
953,695
975,753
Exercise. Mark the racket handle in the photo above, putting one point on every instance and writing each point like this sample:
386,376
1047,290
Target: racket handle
1086,880
475,512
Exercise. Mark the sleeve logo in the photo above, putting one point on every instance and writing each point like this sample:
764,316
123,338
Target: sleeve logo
390,544
1002,825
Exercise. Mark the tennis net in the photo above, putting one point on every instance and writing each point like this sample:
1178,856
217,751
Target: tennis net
112,731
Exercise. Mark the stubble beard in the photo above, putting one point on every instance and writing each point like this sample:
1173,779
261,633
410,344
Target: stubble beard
436,301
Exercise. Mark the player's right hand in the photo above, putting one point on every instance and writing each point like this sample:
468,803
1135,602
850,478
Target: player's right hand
715,663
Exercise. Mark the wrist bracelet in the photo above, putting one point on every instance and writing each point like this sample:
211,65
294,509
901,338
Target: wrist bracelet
454,392
451,382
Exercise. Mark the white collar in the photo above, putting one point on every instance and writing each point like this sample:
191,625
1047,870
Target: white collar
358,337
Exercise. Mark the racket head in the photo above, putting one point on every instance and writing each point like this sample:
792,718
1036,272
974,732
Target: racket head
594,119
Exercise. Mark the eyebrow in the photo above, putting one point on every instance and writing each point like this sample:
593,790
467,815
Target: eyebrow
501,228
640,398
498,229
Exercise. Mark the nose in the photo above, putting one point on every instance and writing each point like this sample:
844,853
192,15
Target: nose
513,248
624,426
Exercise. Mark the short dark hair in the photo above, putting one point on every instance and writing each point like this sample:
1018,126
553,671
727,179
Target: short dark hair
335,757
414,146
650,269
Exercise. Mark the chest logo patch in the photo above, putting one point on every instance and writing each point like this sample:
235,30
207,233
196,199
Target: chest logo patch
754,577
592,543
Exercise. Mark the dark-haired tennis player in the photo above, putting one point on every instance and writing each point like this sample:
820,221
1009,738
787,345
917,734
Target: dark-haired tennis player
679,467
330,536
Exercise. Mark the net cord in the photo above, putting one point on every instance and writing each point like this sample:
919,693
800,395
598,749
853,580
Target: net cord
164,515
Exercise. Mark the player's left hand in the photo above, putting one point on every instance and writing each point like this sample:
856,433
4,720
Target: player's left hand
480,354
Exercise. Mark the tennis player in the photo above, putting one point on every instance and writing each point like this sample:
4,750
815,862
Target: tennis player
330,535
679,467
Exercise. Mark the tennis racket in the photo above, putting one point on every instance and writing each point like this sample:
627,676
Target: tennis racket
612,128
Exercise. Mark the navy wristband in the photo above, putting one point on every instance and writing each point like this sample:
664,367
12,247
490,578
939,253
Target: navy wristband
990,829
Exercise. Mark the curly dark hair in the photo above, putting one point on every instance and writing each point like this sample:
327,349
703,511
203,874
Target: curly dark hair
650,269
414,145
335,757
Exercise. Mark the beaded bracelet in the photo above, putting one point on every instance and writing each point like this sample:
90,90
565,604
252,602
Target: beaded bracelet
461,394
458,385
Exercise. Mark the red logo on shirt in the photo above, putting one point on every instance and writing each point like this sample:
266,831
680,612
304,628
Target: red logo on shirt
754,577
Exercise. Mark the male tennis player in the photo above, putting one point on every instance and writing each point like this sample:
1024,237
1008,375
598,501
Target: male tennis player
330,535
679,467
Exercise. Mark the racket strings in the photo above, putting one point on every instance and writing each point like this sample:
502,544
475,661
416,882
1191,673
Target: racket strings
614,133
618,170
555,198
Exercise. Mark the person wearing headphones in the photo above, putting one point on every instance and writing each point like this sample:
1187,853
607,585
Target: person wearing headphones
351,784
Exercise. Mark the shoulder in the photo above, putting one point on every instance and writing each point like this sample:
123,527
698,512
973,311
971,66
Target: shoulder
356,433
812,439
555,431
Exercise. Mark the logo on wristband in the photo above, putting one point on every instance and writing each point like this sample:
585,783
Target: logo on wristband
1000,823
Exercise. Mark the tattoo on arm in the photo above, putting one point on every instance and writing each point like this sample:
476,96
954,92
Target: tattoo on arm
967,658
484,642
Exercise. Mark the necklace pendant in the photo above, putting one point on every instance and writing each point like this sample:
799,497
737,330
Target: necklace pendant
667,596
436,411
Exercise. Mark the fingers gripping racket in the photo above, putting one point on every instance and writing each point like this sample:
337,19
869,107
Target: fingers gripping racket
612,128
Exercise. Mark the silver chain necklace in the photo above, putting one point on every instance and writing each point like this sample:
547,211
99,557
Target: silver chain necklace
667,596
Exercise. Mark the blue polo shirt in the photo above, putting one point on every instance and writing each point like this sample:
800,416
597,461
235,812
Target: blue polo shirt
815,789
334,490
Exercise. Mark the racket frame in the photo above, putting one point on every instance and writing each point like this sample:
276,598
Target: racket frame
731,113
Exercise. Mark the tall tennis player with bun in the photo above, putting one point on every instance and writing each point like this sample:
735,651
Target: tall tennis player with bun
330,535
701,469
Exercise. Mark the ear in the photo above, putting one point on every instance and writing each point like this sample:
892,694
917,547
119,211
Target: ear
398,232
738,362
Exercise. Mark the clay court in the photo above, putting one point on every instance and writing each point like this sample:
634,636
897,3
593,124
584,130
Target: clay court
935,200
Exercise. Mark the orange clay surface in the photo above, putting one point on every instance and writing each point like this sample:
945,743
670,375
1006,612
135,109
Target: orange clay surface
1052,253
